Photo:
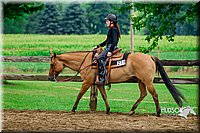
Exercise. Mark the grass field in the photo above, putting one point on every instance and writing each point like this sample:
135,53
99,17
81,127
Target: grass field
39,45
36,95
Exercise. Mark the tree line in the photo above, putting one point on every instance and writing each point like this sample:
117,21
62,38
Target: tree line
84,18
74,18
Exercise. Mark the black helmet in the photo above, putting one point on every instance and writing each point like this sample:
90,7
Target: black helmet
111,17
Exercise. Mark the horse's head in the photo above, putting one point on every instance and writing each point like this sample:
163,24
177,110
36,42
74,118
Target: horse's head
56,66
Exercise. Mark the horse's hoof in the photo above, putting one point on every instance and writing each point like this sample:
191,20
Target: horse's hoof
73,112
131,112
158,115
108,111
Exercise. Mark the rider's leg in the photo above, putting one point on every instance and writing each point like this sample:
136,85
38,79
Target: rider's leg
101,66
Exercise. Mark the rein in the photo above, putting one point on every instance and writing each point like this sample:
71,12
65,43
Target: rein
79,70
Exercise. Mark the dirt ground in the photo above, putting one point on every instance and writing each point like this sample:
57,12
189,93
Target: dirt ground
85,121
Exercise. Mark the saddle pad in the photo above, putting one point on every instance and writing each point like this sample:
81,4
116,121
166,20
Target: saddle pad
115,62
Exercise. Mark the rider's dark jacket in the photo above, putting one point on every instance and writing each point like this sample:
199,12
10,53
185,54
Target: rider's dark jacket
111,40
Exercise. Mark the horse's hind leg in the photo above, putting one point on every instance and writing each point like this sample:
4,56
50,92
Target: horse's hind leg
151,89
104,96
143,93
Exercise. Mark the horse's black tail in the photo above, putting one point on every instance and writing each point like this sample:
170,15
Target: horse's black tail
174,92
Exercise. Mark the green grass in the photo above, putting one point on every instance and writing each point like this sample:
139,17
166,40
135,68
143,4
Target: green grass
186,55
30,68
40,95
36,95
39,45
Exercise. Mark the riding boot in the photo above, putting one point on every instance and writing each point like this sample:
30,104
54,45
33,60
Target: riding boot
100,80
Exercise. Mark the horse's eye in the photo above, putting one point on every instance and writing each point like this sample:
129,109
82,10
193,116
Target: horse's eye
51,65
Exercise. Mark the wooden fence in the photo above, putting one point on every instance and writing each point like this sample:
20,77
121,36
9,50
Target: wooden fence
47,59
93,92
78,79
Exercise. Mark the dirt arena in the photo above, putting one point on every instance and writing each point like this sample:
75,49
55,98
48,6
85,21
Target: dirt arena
85,121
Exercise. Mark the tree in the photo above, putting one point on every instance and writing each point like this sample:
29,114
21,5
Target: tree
160,19
12,26
16,16
16,10
32,25
74,21
89,19
187,28
123,19
50,20
96,12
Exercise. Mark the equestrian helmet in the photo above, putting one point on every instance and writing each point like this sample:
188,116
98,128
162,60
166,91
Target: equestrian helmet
111,17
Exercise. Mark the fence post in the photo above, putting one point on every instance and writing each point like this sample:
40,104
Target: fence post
158,52
182,59
93,98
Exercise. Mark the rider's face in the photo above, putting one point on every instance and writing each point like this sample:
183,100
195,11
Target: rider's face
108,23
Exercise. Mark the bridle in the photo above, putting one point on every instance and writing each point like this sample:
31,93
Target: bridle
54,73
79,70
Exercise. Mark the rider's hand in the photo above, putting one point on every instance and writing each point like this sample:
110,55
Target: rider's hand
96,55
94,48
109,54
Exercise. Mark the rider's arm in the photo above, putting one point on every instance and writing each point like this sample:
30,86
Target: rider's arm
102,44
114,39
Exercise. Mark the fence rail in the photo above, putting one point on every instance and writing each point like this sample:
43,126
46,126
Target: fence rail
26,58
47,59
78,78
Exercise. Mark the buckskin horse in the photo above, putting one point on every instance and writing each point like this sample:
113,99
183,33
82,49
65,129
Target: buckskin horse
142,66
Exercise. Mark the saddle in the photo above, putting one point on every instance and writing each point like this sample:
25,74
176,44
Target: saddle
116,60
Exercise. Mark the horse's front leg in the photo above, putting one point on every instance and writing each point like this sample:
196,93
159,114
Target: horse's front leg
104,96
84,88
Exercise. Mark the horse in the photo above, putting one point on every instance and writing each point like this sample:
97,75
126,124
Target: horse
183,112
142,66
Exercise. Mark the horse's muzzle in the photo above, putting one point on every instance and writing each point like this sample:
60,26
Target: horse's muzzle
52,78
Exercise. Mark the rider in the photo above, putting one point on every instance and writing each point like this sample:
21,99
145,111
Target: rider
111,42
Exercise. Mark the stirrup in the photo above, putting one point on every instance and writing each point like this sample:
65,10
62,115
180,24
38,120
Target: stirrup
97,82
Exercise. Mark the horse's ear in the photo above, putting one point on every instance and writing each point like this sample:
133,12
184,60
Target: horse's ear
50,52
54,54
